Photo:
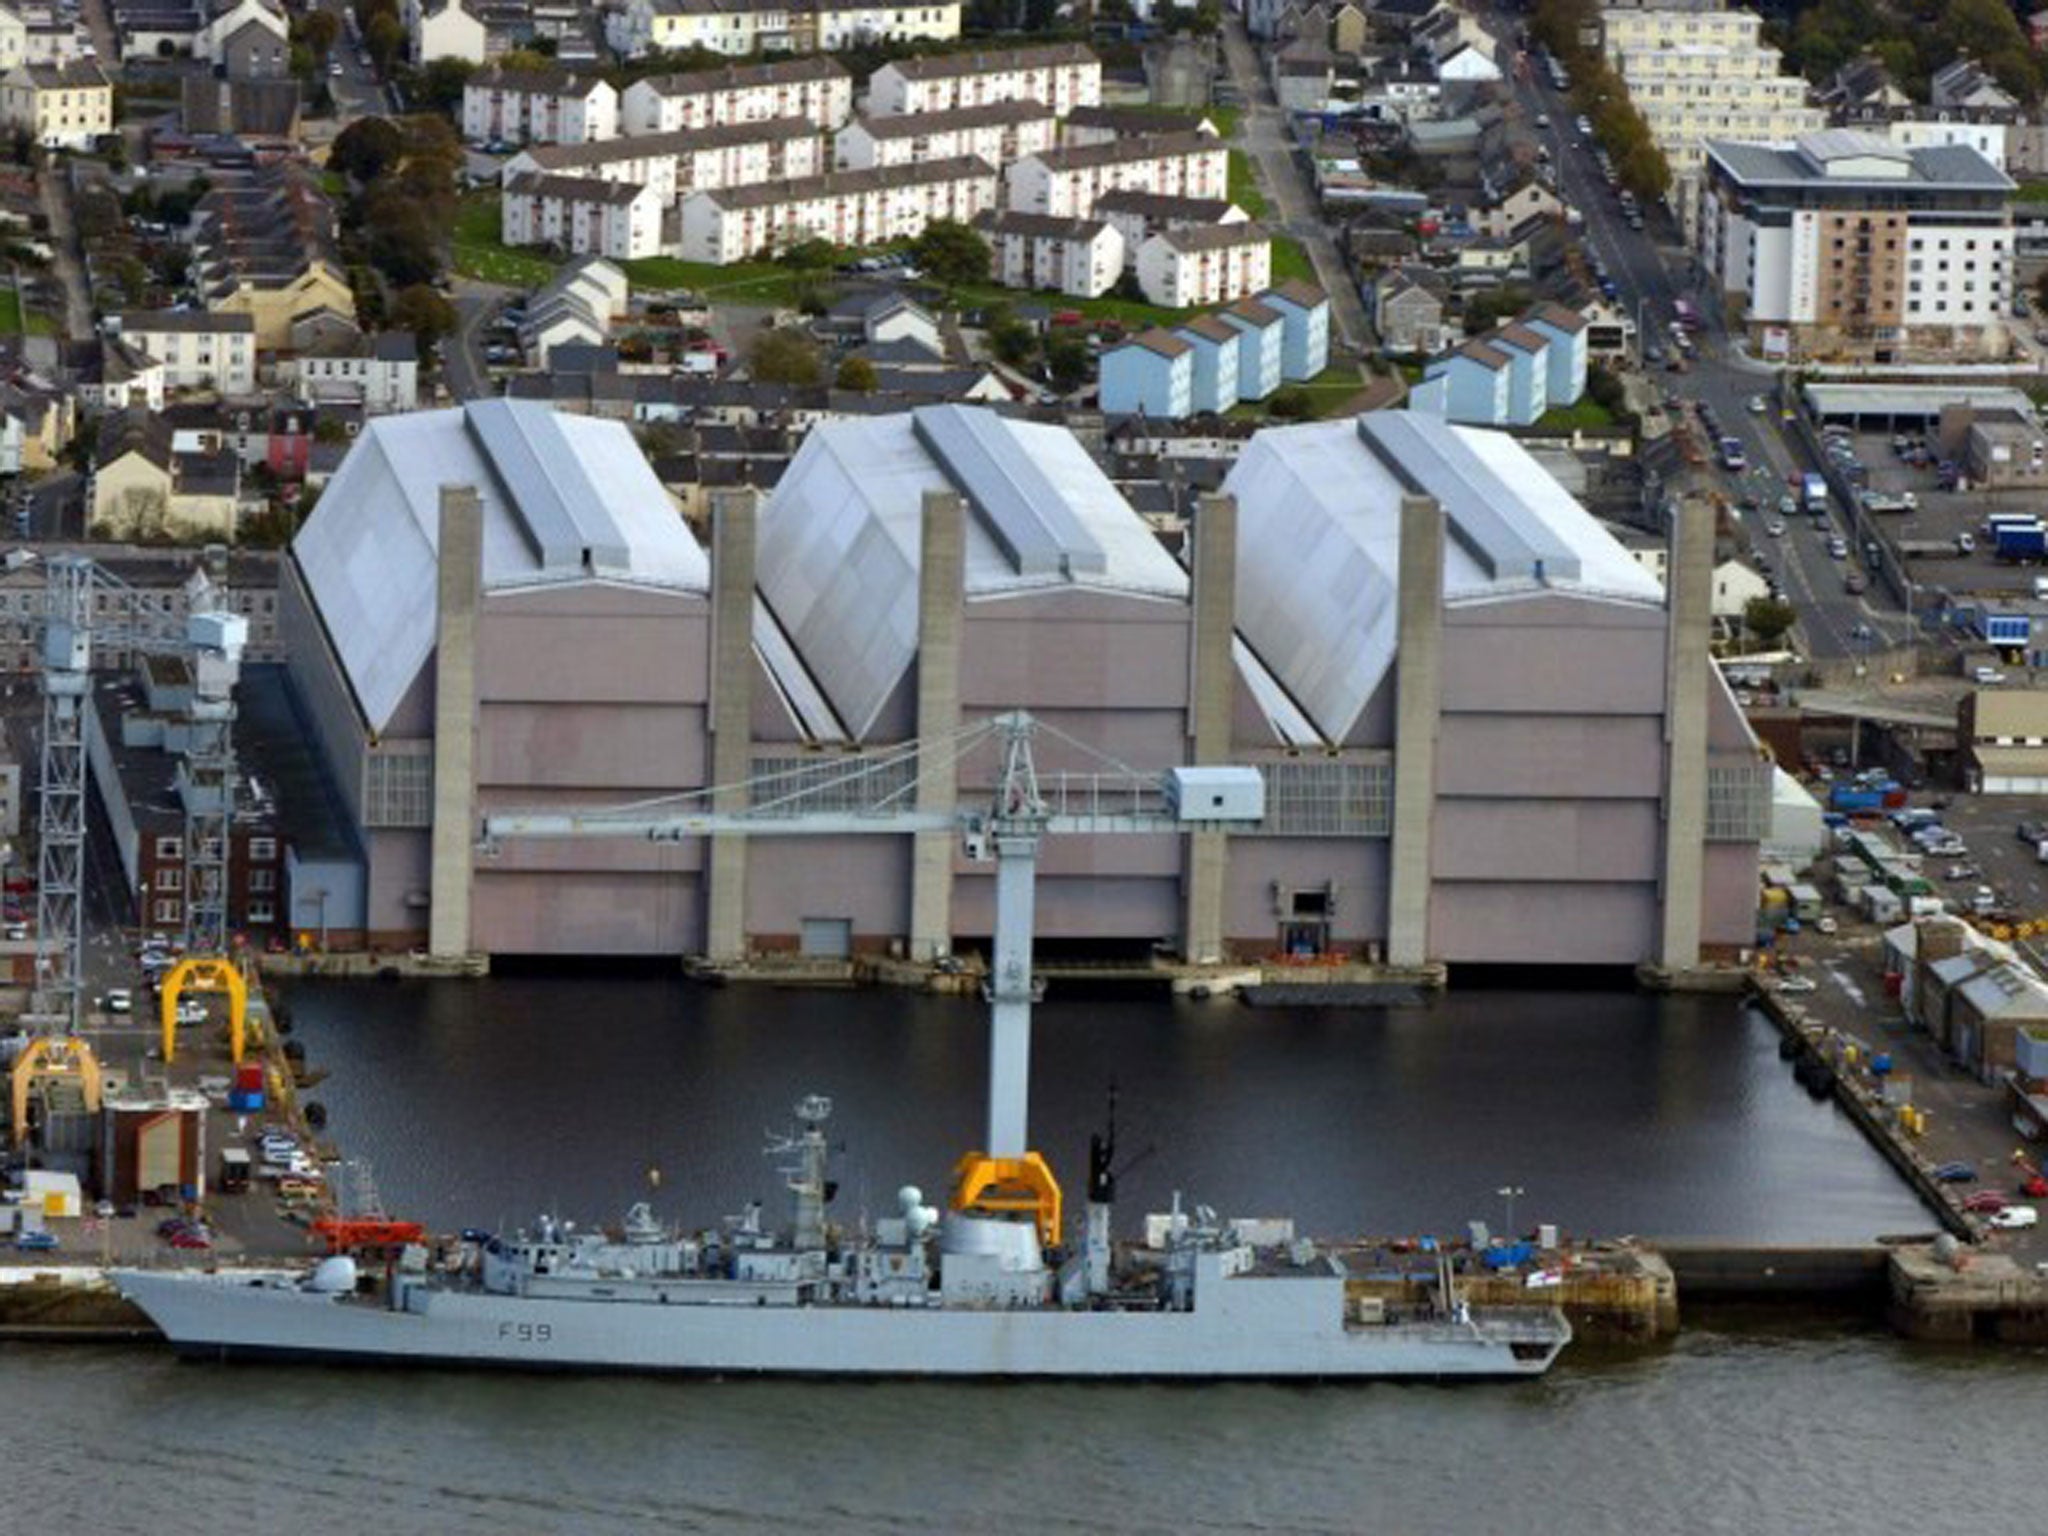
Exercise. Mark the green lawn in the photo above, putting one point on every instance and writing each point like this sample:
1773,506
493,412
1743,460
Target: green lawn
10,311
2031,192
479,253
40,324
1244,188
1326,392
1290,260
1588,415
759,282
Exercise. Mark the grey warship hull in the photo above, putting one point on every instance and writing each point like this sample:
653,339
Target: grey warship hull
1246,1328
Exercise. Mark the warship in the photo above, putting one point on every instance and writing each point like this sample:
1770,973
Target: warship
996,1287
968,1293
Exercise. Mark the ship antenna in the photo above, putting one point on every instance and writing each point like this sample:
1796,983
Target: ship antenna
1102,1158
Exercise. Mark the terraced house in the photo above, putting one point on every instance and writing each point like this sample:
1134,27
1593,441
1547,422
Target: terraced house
818,89
850,208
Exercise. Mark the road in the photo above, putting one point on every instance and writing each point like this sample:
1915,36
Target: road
1262,134
1652,270
67,262
462,358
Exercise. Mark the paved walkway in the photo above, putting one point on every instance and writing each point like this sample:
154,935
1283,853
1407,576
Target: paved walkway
1293,209
67,262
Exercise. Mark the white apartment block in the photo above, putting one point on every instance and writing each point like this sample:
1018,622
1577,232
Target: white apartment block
538,107
687,160
819,89
1696,71
1987,137
1066,182
198,350
852,25
1001,132
740,28
380,372
1847,246
1138,216
1062,76
62,106
849,208
443,29
1188,268
582,214
1082,257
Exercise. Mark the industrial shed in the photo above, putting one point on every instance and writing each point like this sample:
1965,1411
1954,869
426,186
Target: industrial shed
1487,734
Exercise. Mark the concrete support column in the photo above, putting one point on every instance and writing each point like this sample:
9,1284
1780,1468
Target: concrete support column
941,601
1210,698
459,593
732,716
1688,608
1418,682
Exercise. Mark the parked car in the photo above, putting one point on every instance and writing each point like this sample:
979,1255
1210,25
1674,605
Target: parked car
120,1000
1957,1173
35,1242
2015,1218
1794,985
1986,1202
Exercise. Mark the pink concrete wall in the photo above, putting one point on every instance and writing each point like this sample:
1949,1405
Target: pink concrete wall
866,879
1502,922
1547,841
1575,756
1357,867
589,913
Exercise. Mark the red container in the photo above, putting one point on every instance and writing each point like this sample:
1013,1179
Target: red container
249,1076
1893,983
1894,799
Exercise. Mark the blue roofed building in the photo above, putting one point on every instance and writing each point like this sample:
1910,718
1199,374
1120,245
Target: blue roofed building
1566,331
1528,357
1215,346
1259,348
1471,385
1304,311
1153,372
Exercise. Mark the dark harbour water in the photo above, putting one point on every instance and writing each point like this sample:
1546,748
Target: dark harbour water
1614,1112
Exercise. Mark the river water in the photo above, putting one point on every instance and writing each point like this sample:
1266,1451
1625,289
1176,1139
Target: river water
1613,1112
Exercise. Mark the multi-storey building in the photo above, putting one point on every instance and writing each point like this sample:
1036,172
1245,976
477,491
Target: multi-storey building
1138,216
538,106
1848,245
850,208
584,215
198,350
743,27
64,106
1083,257
1696,71
687,160
816,88
999,132
1060,75
1066,182
1183,268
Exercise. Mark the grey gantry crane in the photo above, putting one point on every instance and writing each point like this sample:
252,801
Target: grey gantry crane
1026,807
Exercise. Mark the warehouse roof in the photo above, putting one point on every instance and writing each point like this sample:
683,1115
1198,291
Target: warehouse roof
565,499
1319,544
839,544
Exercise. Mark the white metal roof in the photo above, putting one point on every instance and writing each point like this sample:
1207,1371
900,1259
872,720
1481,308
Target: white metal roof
565,499
1318,561
840,537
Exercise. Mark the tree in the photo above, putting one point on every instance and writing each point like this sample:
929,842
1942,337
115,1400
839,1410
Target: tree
401,237
811,256
1291,404
952,254
1012,341
366,148
438,87
384,37
423,311
1484,310
317,31
1768,619
1067,360
783,357
856,374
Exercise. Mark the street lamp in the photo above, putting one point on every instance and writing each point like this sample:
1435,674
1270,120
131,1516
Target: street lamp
1509,1193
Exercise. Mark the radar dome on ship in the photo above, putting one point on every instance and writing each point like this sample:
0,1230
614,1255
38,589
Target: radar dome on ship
917,1216
335,1276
